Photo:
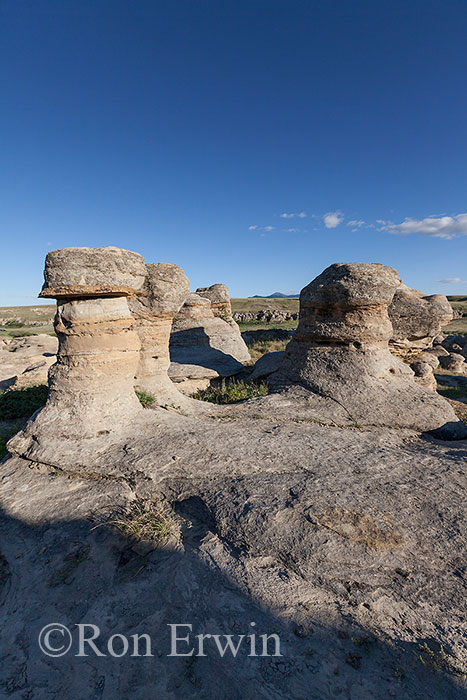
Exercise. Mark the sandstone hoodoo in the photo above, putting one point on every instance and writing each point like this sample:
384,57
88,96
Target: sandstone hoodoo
340,352
91,386
218,295
165,290
202,341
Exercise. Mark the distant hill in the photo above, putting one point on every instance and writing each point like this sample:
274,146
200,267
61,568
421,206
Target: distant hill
276,295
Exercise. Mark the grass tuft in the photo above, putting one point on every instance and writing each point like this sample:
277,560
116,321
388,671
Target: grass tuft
143,520
232,392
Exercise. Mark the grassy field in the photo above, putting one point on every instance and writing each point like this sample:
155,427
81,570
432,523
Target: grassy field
255,305
25,320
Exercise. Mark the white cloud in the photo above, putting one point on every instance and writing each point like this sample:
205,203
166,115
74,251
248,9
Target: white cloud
292,230
356,223
252,228
292,214
452,280
332,219
446,227
268,228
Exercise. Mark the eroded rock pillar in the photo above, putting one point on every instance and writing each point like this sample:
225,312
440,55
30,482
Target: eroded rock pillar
91,386
340,351
165,291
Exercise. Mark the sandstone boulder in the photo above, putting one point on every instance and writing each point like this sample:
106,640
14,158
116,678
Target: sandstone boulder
453,362
417,319
201,338
218,295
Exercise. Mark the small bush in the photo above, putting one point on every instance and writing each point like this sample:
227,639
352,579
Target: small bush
145,398
232,392
22,403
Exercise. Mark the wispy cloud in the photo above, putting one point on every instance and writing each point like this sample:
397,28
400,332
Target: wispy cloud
446,227
332,219
292,230
356,223
452,280
293,214
255,227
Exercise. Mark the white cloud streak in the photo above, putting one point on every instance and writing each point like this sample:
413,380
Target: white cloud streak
452,280
292,214
446,227
356,223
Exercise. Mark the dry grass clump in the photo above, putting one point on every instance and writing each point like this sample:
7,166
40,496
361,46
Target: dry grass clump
143,520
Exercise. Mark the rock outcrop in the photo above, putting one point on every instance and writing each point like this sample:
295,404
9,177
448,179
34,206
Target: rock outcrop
91,399
26,361
202,340
165,290
416,320
218,295
340,352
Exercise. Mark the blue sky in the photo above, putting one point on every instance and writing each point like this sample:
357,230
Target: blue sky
186,130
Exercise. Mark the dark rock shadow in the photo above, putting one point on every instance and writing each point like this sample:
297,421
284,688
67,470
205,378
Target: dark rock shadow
73,572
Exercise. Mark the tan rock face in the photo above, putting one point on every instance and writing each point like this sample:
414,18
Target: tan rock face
340,352
200,338
92,272
218,295
91,387
165,290
417,321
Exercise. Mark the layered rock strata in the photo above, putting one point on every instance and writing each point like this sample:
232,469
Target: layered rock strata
91,399
218,295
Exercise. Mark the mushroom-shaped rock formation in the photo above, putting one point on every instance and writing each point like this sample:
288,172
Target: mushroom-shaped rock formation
91,386
165,290
201,339
340,352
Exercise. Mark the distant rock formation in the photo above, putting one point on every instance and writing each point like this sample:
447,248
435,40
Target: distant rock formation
417,322
340,351
204,346
218,295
